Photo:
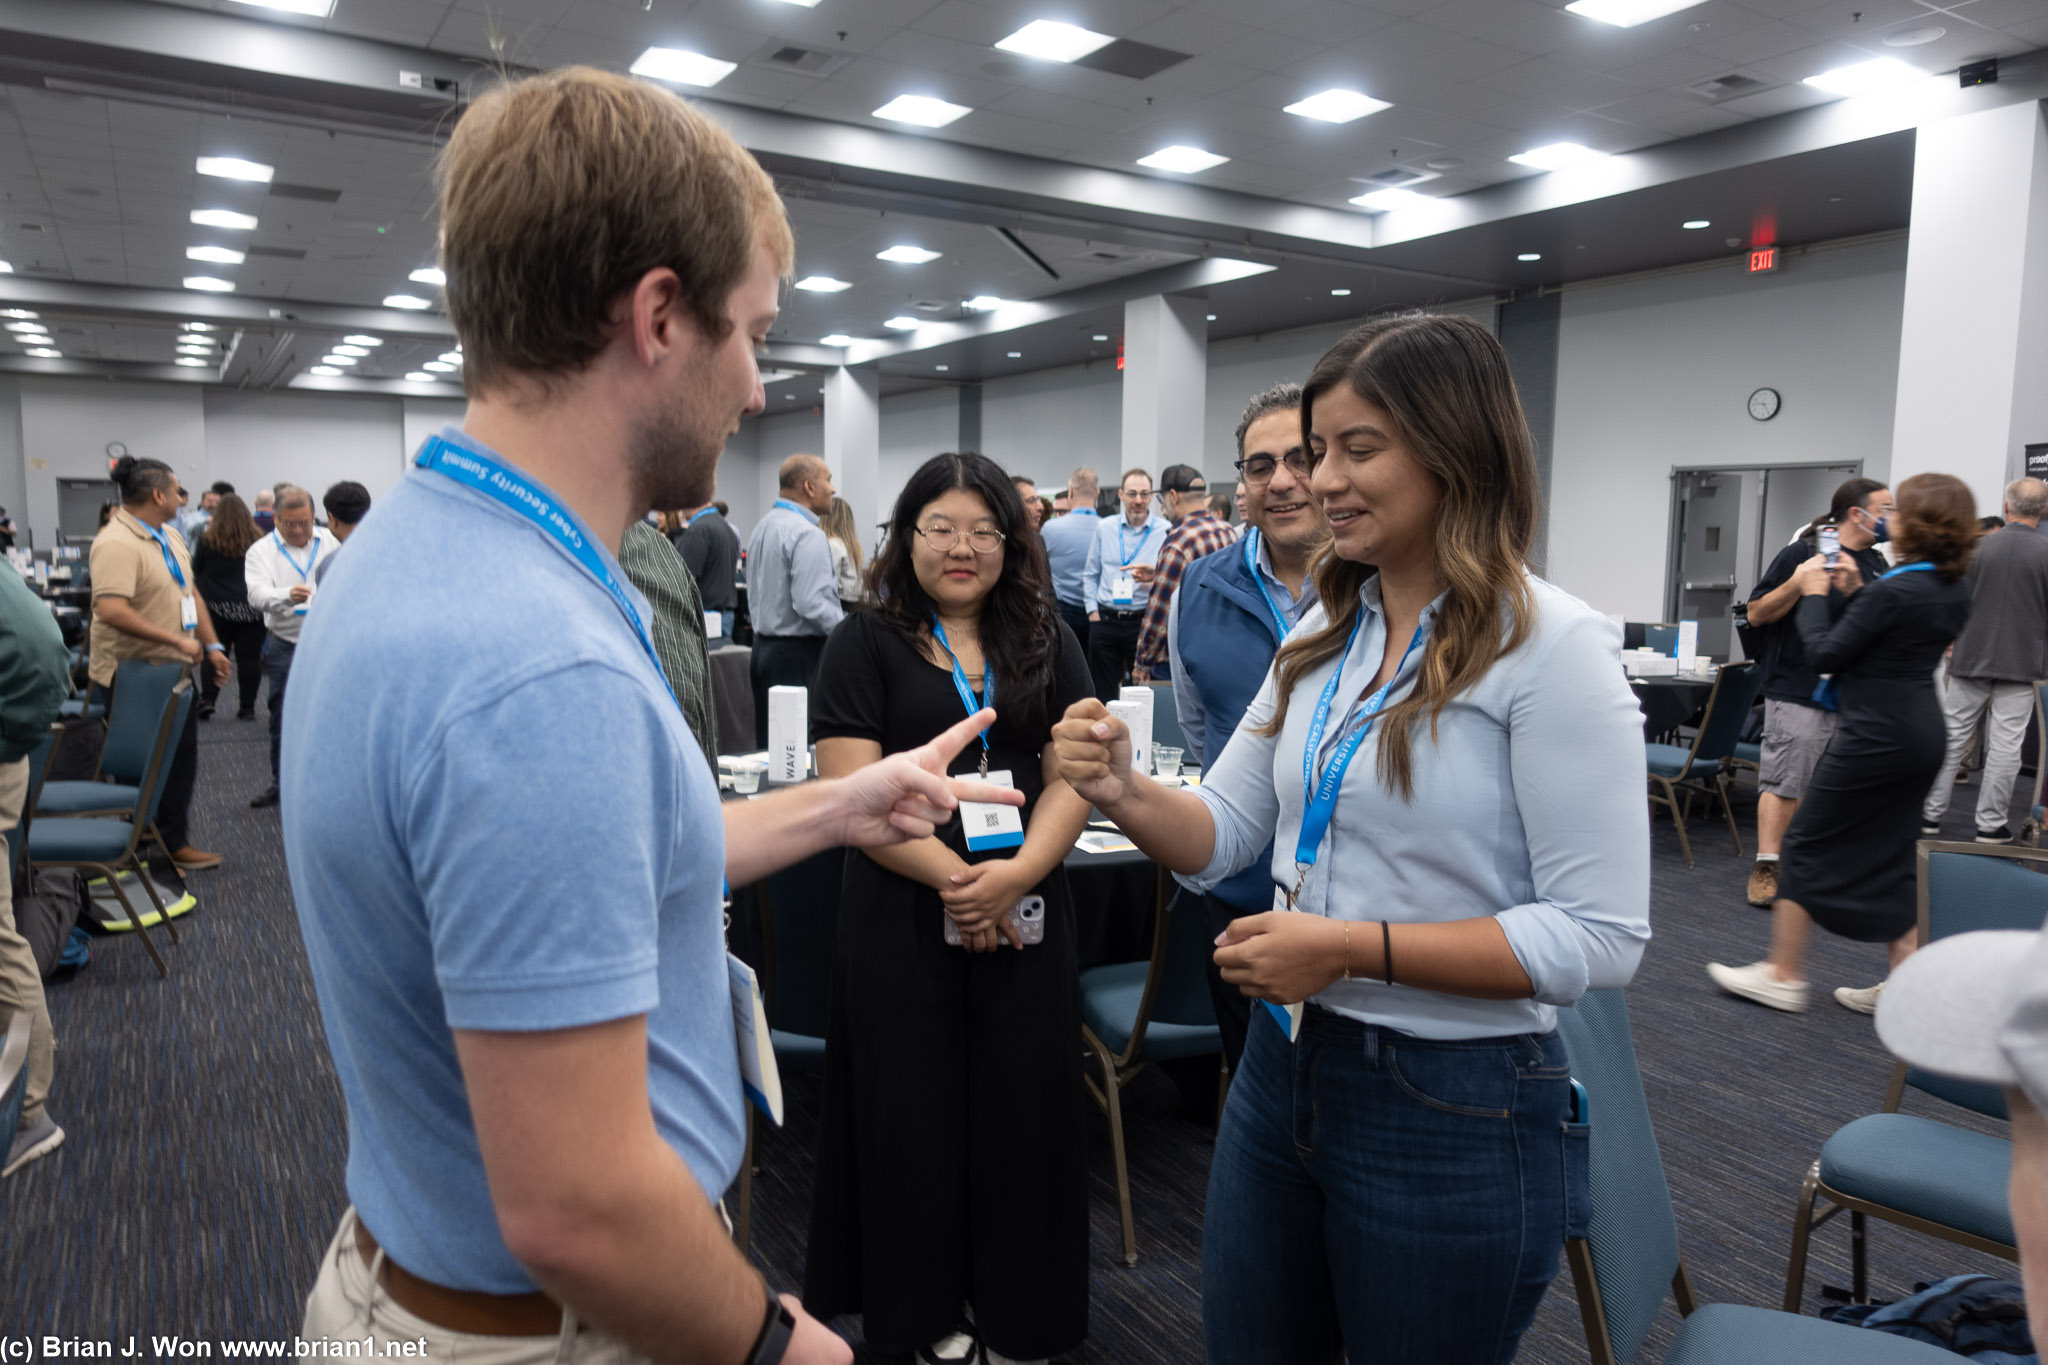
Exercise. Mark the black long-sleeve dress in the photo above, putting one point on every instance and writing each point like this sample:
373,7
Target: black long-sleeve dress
952,1145
1848,855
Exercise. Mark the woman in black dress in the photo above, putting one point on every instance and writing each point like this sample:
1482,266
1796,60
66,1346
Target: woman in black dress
952,1207
1848,856
217,570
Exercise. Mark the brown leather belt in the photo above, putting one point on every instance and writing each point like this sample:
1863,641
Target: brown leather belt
462,1310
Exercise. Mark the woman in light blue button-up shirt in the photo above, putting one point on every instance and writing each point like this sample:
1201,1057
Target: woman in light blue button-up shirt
1396,1181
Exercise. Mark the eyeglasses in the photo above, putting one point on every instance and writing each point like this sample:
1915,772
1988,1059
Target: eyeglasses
1138,494
1258,469
943,538
1184,492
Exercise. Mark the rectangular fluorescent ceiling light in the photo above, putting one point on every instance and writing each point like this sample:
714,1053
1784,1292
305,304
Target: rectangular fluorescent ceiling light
807,4
209,284
1184,160
364,341
1053,41
197,326
679,66
192,362
903,323
219,255
26,327
1380,201
405,301
1555,156
822,284
428,275
224,218
907,255
357,351
451,357
5,268
1337,106
984,303
419,377
45,353
323,370
835,339
234,168
337,360
18,313
195,350
1866,78
923,110
1628,13
439,367
318,9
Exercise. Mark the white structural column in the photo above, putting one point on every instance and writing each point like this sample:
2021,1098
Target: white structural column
1973,350
853,443
1166,383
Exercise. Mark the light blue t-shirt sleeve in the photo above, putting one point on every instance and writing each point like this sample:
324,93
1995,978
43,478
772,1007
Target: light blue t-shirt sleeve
542,864
1575,744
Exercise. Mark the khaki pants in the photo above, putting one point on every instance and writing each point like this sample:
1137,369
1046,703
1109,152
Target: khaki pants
347,1304
21,985
2011,705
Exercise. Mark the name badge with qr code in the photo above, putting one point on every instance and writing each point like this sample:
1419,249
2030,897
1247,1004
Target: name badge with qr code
989,825
1123,589
188,612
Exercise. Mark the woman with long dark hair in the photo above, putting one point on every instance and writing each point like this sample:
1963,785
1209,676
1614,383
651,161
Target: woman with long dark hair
217,564
1848,858
951,1208
1449,767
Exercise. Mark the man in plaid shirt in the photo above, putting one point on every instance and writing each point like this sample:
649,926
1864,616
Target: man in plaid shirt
1196,532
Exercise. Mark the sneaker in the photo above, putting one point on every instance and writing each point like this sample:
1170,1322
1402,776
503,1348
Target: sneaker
245,715
38,1139
2001,835
190,859
1763,883
1863,1000
959,1349
1929,830
1962,777
265,801
1759,983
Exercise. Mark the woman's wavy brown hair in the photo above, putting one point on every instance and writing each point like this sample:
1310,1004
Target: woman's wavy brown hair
1935,519
232,530
1444,380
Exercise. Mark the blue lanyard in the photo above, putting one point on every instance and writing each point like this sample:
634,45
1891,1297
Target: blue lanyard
284,550
698,515
988,684
1251,564
1320,798
511,489
1125,550
806,513
1915,567
170,560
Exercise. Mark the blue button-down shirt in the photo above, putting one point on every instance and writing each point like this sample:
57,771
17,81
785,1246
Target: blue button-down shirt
1528,807
1118,548
791,588
1068,540
1187,698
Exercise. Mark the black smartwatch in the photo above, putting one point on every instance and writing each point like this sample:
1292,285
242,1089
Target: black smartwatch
775,1332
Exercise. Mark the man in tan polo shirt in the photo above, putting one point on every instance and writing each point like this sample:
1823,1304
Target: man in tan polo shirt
143,607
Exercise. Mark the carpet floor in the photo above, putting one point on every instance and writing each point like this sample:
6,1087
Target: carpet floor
202,1172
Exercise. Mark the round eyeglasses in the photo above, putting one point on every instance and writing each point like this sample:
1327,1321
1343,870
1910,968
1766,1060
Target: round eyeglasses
943,538
1258,469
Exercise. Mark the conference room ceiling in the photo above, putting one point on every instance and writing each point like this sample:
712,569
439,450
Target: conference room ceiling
97,182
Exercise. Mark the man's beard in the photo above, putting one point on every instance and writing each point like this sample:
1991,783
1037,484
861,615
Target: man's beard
674,460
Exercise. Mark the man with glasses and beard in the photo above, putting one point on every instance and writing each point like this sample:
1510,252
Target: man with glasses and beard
1226,623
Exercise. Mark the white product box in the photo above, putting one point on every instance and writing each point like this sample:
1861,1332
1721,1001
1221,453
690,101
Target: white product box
789,734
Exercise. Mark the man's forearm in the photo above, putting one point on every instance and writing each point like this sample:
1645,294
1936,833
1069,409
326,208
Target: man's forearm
1774,605
774,831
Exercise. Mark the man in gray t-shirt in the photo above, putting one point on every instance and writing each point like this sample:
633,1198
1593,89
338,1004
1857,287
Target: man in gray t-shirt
1996,661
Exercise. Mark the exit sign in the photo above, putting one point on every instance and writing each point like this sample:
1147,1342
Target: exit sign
1763,260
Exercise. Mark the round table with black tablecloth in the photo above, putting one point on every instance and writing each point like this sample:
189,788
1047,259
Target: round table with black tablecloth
1670,702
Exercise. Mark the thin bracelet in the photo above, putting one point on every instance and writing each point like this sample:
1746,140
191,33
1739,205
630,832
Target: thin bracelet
1347,950
1387,951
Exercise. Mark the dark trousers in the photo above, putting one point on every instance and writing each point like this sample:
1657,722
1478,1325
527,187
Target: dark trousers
277,668
1112,645
1077,621
244,640
781,661
174,807
1233,1007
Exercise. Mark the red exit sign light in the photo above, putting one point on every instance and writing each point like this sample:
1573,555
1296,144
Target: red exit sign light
1763,260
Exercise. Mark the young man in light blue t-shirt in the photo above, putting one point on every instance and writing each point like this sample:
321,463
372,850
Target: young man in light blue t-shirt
507,858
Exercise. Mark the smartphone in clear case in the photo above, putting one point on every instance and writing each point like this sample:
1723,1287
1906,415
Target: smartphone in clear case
1028,915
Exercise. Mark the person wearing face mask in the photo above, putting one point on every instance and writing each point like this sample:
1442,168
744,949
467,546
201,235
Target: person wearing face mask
1448,767
1228,619
1796,727
1849,852
952,1190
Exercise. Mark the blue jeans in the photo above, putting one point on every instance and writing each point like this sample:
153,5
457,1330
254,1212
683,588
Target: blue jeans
1394,1198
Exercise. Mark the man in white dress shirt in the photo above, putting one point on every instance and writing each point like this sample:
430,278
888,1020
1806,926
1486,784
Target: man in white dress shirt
280,570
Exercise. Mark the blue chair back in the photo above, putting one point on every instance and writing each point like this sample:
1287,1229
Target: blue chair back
1734,693
1166,717
1183,992
14,1070
140,691
180,707
803,907
1632,1232
17,838
1967,888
